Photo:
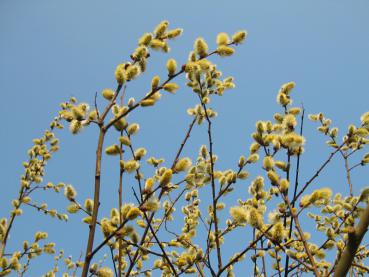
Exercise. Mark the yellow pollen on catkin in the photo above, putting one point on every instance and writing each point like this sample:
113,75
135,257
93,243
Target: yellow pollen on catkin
268,163
70,192
149,184
119,74
112,150
166,177
183,164
278,232
239,214
239,37
133,128
133,213
174,33
289,121
273,177
225,51
254,218
171,66
161,28
171,87
222,39
108,94
145,39
201,47
155,82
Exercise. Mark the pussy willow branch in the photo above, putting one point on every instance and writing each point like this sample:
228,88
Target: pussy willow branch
103,130
22,193
165,255
336,231
356,165
263,258
160,195
282,248
219,255
295,190
255,259
347,168
92,226
112,259
137,170
224,190
355,236
161,246
302,236
12,218
153,91
278,263
120,204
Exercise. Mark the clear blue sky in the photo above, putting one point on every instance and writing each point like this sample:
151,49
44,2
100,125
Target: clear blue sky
51,50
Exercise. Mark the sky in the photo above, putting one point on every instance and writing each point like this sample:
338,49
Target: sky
52,50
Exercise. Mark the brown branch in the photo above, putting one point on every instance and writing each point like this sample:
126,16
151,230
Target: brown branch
120,203
160,195
355,237
11,222
219,256
161,246
302,236
183,143
100,143
295,189
92,226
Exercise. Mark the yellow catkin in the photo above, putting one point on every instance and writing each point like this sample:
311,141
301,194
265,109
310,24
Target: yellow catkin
155,82
119,74
239,214
239,37
222,39
161,28
147,103
225,51
166,177
171,66
108,94
174,33
149,184
129,166
133,213
112,150
70,192
104,272
254,218
201,47
183,164
125,140
253,158
268,163
133,128
273,177
171,87
145,39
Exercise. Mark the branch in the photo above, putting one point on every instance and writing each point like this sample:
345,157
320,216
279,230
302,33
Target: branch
355,237
213,185
295,189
